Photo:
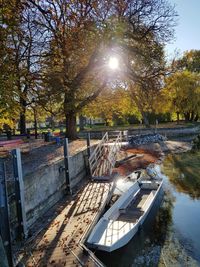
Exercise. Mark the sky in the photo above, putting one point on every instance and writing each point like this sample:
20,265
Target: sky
187,32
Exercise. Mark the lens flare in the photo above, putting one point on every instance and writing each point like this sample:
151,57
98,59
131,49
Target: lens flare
113,63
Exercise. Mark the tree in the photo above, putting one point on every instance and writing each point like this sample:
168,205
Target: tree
110,104
70,41
8,106
146,27
183,91
24,39
74,45
190,61
19,58
81,37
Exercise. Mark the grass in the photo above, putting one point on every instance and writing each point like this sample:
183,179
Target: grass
139,126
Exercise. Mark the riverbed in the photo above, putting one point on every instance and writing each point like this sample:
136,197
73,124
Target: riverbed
171,233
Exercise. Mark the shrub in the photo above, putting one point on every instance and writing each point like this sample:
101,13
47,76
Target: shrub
196,143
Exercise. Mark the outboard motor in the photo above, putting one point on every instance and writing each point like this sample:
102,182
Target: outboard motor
153,173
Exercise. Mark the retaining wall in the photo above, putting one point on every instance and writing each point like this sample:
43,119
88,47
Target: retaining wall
46,185
168,132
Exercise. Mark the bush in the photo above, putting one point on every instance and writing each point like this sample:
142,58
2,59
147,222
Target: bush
196,143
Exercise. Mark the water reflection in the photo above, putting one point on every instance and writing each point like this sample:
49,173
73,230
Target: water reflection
183,171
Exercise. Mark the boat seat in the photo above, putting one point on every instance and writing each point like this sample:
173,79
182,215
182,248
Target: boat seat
122,210
131,216
150,196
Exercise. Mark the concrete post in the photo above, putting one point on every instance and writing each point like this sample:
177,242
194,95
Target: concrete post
88,154
156,126
66,160
5,236
19,192
88,145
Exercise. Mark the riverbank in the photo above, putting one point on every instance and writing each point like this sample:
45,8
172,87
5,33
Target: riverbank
141,156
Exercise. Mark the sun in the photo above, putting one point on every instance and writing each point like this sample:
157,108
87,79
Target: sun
113,63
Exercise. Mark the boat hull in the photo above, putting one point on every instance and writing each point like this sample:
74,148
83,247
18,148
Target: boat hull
130,234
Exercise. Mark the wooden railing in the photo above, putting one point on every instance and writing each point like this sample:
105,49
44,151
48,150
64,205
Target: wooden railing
103,158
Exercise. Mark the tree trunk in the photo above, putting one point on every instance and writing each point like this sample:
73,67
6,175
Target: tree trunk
35,122
192,116
107,122
145,119
196,117
178,117
71,131
22,123
187,116
81,122
143,113
22,119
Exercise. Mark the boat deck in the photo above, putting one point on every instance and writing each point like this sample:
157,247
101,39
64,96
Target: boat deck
59,244
116,229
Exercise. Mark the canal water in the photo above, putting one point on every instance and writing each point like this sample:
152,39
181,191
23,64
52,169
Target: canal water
171,234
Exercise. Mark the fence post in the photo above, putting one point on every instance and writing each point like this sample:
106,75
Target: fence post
88,145
156,126
66,161
140,127
19,192
4,221
88,155
126,136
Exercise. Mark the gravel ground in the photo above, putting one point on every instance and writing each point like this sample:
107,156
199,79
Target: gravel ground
38,153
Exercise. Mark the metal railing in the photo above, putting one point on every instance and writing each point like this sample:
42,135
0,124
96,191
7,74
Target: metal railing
113,152
103,158
98,156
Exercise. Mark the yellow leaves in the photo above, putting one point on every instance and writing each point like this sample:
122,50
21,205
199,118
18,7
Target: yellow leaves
182,91
111,102
6,121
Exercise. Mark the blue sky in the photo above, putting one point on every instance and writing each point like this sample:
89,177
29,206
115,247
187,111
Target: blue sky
187,33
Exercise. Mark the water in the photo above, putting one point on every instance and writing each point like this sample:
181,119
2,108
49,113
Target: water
171,234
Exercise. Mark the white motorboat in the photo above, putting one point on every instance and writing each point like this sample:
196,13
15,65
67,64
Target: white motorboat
121,222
